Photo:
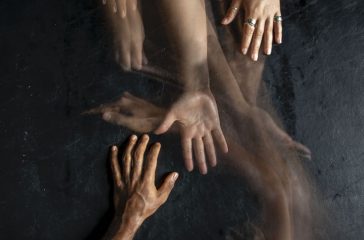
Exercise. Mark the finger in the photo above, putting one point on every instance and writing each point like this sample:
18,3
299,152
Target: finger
137,164
115,118
248,31
210,149
166,124
145,59
187,153
104,2
220,139
231,12
277,27
257,40
268,36
151,166
114,6
167,186
124,56
121,4
199,152
115,168
127,159
137,57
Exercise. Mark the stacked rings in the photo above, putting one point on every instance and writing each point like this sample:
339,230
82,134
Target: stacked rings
251,22
277,18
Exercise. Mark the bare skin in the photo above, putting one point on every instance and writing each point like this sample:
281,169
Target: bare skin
260,35
135,195
197,130
279,189
128,29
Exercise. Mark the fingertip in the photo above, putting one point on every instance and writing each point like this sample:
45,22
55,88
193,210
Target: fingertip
133,138
203,171
114,148
106,116
145,137
189,167
174,176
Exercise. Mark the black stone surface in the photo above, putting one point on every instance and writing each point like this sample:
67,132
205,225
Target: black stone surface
54,179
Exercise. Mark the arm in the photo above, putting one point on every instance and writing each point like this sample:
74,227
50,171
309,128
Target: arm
135,195
187,30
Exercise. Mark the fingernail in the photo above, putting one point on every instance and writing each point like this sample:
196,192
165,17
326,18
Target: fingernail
115,9
123,13
280,40
106,116
175,176
224,21
133,137
114,148
104,2
269,51
244,50
255,57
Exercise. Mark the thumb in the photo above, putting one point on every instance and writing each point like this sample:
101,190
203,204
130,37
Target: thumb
168,185
166,124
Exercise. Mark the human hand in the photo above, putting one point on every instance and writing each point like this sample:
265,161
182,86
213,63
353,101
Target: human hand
198,122
128,30
262,21
132,112
135,194
195,113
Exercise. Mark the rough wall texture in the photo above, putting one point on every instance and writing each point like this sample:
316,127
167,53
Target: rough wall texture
54,175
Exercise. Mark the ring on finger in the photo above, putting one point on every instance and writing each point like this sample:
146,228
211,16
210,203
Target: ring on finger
277,19
251,22
234,9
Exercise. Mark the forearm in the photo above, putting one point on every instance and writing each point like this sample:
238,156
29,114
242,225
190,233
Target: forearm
186,26
122,229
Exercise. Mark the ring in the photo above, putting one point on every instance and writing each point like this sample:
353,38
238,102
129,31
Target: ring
235,9
277,18
251,22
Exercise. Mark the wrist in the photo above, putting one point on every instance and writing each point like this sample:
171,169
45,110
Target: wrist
127,228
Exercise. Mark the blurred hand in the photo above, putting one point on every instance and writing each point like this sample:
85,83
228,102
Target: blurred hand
195,114
128,33
135,194
267,15
198,121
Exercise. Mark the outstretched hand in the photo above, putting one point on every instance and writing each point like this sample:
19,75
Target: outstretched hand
198,121
195,116
135,195
262,21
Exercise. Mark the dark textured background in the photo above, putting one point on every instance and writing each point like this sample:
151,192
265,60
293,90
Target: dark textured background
55,63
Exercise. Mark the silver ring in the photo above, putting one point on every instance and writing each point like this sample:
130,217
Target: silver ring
277,18
251,22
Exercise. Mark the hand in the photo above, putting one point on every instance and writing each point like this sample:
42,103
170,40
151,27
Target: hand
128,33
195,113
198,121
137,184
132,112
265,13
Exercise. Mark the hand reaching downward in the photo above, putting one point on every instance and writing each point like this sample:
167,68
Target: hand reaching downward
198,121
